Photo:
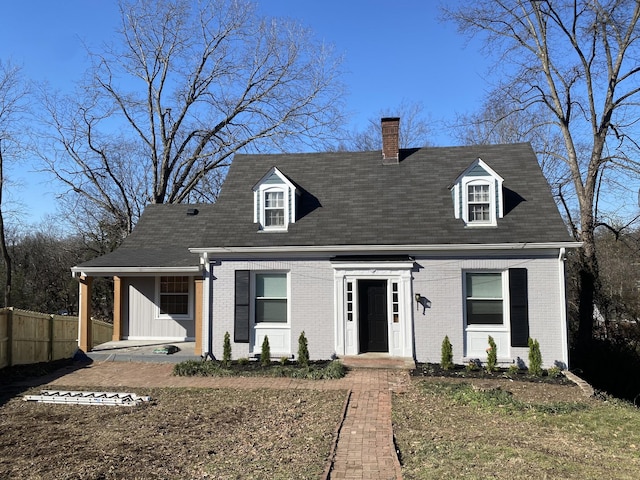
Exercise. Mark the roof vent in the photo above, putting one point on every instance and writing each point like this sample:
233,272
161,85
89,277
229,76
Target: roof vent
192,211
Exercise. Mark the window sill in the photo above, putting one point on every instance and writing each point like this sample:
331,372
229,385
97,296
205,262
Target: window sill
480,225
271,325
176,318
487,328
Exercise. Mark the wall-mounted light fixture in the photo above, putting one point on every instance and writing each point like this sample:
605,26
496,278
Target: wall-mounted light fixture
424,301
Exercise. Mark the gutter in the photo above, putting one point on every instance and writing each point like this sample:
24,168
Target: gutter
336,249
78,272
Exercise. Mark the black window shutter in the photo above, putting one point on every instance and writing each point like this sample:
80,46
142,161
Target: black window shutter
241,315
519,307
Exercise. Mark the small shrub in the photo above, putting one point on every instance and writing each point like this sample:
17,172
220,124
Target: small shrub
278,370
284,361
226,351
428,369
187,368
193,368
303,350
535,358
554,372
316,371
492,355
513,369
334,370
446,355
265,354
474,365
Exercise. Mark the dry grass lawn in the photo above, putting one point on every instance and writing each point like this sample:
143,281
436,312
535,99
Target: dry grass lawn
520,431
183,433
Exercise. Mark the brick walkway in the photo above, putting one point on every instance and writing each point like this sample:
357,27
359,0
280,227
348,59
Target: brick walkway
364,449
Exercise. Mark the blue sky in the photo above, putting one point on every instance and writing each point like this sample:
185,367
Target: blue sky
393,51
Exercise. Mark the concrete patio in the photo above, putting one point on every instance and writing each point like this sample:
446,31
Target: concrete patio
142,351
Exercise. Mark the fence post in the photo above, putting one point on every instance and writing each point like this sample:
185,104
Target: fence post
51,339
10,335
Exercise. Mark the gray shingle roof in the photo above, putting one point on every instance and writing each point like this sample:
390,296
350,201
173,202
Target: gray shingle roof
352,199
161,238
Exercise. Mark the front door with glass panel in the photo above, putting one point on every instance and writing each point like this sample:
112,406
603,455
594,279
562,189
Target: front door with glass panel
375,310
373,316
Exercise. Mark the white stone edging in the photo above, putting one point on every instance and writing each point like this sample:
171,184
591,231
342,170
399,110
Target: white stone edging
587,389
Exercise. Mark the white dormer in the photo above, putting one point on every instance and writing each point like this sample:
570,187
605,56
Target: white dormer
274,201
477,195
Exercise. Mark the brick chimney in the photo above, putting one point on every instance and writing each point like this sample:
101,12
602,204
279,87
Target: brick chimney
390,140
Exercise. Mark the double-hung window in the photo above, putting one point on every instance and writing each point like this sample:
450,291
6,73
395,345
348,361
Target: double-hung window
275,199
477,196
274,211
271,298
174,293
496,304
484,298
479,203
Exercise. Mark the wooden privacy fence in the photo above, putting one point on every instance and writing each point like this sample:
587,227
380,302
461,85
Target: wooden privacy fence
30,337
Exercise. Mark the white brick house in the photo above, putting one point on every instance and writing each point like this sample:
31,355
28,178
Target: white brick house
363,251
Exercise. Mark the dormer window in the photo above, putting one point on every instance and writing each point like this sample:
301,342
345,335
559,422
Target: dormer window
274,209
478,203
274,202
477,195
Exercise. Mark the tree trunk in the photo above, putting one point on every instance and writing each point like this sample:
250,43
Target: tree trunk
3,242
7,263
588,280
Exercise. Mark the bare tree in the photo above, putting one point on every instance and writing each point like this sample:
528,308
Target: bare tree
42,257
188,84
13,90
499,120
415,129
620,277
578,61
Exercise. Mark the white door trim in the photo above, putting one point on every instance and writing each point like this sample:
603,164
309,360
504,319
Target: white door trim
400,334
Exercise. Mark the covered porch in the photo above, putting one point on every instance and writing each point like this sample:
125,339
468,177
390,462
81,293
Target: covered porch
118,343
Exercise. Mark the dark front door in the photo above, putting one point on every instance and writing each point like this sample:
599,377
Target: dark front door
372,314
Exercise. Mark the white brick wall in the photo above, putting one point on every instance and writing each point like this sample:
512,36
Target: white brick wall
437,278
440,280
311,304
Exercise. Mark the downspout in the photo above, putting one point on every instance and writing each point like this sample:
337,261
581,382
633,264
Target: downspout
563,302
209,353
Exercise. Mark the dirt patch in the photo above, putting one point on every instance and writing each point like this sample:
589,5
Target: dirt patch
16,373
182,433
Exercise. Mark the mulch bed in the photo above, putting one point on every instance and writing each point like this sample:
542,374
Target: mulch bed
523,386
461,371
